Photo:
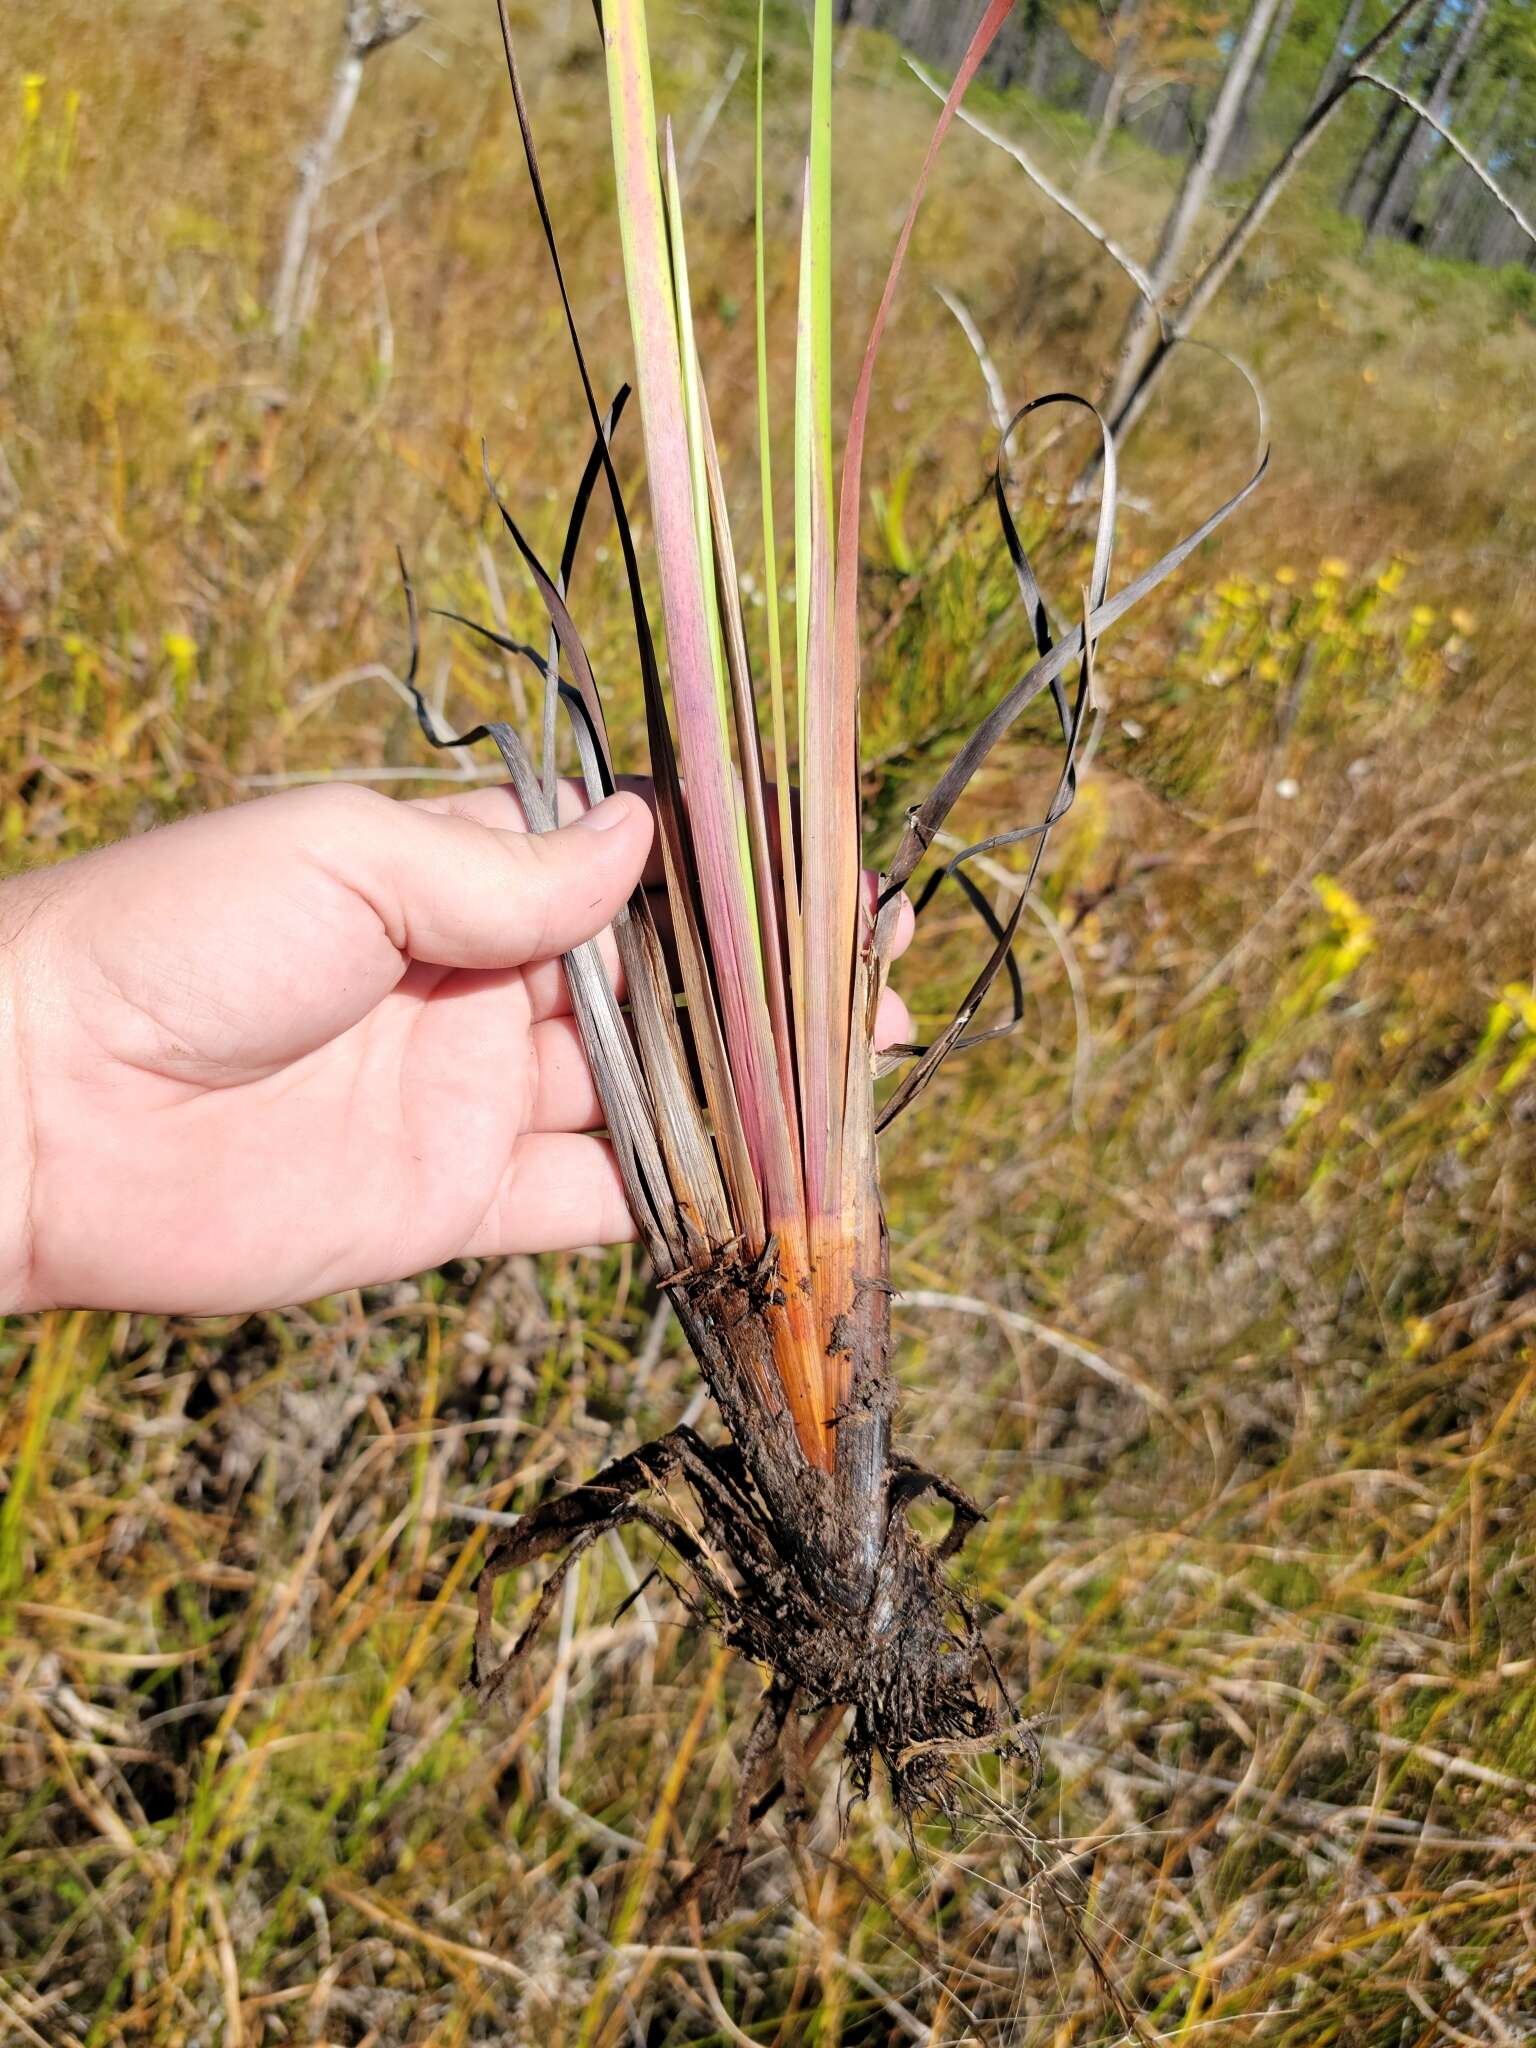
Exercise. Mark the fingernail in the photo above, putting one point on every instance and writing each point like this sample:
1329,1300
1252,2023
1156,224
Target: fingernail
604,816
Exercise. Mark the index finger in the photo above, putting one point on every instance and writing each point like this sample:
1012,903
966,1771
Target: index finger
497,804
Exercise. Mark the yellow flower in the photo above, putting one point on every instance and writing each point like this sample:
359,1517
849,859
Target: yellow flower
1335,566
1355,929
1391,578
1462,619
32,96
1420,1335
181,653
1423,615
1286,576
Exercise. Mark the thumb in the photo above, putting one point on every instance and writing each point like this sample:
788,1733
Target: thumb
460,894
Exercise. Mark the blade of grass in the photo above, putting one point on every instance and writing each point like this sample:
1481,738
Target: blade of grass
693,406
704,745
783,768
821,1007
680,866
829,843
813,375
628,1111
850,503
835,1183
577,519
715,573
703,739
749,750
679,850
821,236
805,438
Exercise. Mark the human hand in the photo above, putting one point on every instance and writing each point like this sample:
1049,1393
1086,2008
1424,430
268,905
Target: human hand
306,1043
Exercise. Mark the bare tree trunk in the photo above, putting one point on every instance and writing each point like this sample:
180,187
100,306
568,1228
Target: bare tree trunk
1338,56
1042,59
314,173
1367,172
917,26
1174,131
1222,264
1004,59
961,28
1121,24
1462,198
1500,241
1395,201
1110,112
1106,101
1460,204
1242,126
368,28
1141,329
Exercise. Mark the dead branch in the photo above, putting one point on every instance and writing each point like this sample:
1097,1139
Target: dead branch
1215,274
370,26
1051,190
1483,176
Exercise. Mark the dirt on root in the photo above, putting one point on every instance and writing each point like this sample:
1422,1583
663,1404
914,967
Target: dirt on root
907,1667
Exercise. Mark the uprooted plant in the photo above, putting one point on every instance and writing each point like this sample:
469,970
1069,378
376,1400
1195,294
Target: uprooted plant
738,1079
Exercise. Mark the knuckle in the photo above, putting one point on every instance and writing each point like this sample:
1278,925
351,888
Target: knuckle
335,808
534,869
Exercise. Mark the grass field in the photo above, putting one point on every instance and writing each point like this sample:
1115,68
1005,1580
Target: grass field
1221,1276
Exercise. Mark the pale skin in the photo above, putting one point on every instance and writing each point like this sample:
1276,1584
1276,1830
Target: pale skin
314,1041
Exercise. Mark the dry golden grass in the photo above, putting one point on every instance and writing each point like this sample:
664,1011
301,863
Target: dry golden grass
1251,1390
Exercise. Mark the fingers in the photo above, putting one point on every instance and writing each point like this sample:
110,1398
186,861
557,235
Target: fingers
564,1095
548,991
496,804
457,892
906,917
565,1098
558,1194
893,1021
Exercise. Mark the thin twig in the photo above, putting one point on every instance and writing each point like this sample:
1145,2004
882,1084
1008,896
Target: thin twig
1056,932
491,1518
370,672
1082,1051
560,1689
1031,1326
709,117
1001,410
301,776
1051,190
1214,276
1485,178
908,2022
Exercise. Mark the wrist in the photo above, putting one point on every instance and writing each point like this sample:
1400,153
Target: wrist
18,1130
